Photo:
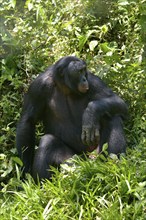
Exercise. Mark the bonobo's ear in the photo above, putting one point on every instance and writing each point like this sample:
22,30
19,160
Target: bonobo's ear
59,67
58,72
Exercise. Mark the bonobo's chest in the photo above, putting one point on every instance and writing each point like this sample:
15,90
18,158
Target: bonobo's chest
65,108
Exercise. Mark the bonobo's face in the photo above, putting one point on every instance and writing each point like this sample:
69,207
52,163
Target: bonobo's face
77,76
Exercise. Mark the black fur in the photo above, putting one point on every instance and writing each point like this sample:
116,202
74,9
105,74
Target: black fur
79,112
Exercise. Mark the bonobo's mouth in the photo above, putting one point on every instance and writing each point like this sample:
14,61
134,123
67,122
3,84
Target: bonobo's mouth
83,89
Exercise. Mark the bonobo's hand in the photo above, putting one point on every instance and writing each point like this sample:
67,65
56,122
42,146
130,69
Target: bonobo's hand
90,125
90,135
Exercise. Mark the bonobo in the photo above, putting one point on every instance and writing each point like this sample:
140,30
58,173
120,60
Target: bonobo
79,113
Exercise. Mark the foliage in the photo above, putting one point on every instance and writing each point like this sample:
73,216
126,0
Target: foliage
110,36
91,189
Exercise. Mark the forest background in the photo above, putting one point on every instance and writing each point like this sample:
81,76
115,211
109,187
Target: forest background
111,37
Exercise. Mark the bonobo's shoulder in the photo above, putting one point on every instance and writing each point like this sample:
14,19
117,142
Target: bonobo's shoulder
43,79
98,86
42,83
95,80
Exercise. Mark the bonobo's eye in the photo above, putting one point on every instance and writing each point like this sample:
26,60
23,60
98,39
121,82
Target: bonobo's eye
83,85
76,77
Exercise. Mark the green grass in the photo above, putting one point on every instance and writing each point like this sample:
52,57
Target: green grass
110,36
91,189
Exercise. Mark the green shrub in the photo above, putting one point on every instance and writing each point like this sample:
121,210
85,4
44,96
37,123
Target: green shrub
110,36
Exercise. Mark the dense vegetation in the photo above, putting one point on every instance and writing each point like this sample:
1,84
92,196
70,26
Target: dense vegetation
110,36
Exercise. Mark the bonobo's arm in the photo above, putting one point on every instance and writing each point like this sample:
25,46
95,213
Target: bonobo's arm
110,106
33,110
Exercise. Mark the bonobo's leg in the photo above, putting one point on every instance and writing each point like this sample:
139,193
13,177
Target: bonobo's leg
51,152
112,133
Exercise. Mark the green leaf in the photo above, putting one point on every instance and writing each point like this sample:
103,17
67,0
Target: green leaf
104,47
17,160
105,147
30,6
82,41
13,3
93,44
121,2
104,29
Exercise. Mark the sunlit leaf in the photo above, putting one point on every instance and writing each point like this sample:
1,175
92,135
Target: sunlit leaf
93,44
30,6
123,2
13,3
104,29
17,160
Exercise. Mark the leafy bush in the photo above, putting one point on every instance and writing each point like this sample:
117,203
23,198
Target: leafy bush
92,189
110,36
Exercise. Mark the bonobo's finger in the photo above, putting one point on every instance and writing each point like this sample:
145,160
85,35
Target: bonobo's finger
88,136
84,134
93,136
97,136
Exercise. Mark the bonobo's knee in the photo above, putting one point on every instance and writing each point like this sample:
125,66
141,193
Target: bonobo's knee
47,140
44,157
117,142
51,152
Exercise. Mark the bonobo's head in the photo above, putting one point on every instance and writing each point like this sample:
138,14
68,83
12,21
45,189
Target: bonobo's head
70,74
